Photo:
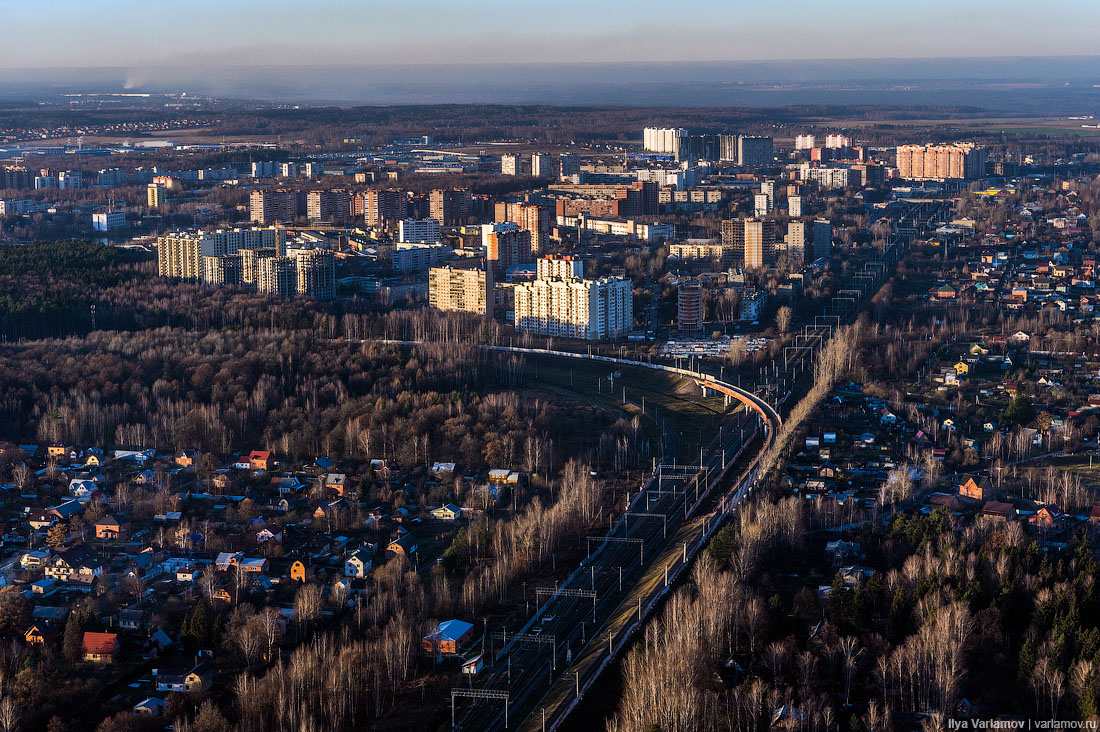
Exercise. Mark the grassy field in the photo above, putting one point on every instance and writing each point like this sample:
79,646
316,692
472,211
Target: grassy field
1081,464
687,416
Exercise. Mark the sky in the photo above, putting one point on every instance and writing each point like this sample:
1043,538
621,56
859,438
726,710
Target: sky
211,33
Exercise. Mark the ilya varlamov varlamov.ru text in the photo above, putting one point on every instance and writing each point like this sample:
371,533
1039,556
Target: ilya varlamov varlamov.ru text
1010,724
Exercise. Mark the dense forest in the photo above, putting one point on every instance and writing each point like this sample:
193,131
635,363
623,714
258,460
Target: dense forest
291,391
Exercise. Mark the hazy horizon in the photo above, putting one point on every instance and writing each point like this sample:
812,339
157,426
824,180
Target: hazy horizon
1007,82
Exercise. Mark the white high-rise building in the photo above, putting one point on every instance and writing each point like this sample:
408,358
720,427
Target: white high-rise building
562,267
560,303
663,139
586,309
803,142
767,187
760,205
837,141
794,206
509,165
418,230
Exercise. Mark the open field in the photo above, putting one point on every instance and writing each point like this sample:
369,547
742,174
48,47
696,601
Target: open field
687,416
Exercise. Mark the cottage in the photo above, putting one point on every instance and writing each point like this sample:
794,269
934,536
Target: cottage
358,563
100,647
77,560
336,482
36,636
447,638
186,457
998,511
977,489
404,545
1048,516
298,571
151,707
447,512
197,679
259,460
109,527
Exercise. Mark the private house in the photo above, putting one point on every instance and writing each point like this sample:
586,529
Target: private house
336,483
131,619
34,560
299,572
288,485
447,638
151,707
77,560
36,636
100,647
60,452
109,527
358,563
330,509
447,512
998,511
977,489
228,560
198,678
260,460
256,565
403,545
1048,517
269,533
186,457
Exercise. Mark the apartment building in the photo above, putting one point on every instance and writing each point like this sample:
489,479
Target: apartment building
418,230
449,207
561,303
558,266
941,162
665,140
384,208
467,290
752,241
278,276
223,269
333,205
416,257
575,308
689,307
505,245
529,217
266,206
542,165
180,254
316,273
